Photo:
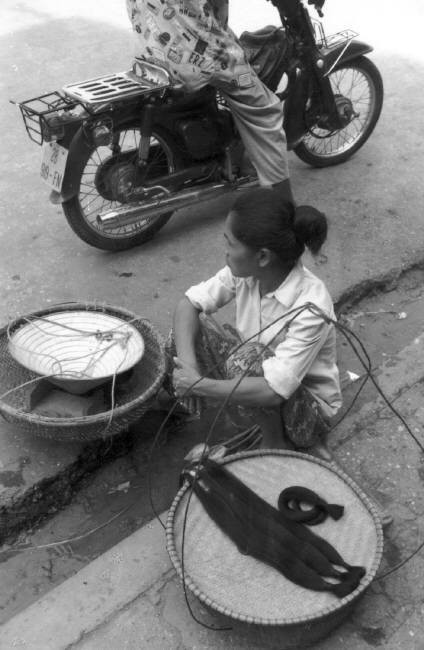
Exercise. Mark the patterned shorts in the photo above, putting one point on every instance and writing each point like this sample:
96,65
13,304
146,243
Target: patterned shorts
192,39
222,355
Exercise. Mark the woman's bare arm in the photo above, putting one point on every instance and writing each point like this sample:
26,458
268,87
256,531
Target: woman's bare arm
186,329
251,391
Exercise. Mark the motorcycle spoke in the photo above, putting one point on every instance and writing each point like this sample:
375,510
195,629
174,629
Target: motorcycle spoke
89,205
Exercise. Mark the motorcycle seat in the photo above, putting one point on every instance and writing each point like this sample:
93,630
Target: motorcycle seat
258,38
268,53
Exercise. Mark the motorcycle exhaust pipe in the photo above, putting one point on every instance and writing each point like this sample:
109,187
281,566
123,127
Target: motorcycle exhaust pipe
128,215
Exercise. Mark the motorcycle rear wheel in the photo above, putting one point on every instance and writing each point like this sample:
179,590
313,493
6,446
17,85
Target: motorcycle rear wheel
81,210
360,81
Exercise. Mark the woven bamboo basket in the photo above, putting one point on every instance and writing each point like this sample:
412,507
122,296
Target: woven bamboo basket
249,593
148,375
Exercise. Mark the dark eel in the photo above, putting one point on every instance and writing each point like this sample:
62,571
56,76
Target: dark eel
265,533
289,504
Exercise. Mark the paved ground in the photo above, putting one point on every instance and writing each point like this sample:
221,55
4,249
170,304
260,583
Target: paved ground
130,597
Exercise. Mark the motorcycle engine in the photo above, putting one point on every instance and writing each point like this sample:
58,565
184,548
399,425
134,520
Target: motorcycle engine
206,136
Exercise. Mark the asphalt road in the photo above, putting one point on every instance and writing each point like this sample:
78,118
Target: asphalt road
373,202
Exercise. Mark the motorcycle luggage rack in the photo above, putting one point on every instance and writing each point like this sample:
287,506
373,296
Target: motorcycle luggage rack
90,95
36,111
344,36
117,86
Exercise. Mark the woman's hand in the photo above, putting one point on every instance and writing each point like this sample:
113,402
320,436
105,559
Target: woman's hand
183,378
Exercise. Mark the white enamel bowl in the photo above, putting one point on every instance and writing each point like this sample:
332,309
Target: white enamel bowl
77,350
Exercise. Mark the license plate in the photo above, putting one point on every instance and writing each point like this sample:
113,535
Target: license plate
53,164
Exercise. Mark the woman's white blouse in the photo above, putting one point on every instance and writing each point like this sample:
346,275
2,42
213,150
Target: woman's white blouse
304,344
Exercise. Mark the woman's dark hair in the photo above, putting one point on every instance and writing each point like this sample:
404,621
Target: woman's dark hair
261,218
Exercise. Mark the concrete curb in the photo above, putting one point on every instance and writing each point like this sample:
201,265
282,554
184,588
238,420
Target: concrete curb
38,478
82,603
382,282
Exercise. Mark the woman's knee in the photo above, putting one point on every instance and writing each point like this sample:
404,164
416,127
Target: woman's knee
247,360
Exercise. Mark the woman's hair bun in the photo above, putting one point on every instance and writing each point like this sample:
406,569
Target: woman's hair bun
310,227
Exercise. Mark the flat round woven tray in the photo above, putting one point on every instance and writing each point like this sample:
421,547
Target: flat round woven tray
146,379
247,590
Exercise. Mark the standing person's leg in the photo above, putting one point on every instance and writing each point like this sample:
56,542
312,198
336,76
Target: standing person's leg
258,114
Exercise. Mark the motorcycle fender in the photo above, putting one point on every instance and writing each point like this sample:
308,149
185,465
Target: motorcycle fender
78,149
341,53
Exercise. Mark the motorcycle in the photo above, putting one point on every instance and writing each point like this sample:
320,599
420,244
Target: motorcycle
123,151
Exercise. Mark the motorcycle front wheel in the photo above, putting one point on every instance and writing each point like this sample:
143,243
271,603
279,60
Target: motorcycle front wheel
360,82
94,195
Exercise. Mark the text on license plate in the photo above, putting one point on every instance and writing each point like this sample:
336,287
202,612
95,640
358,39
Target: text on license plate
53,164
